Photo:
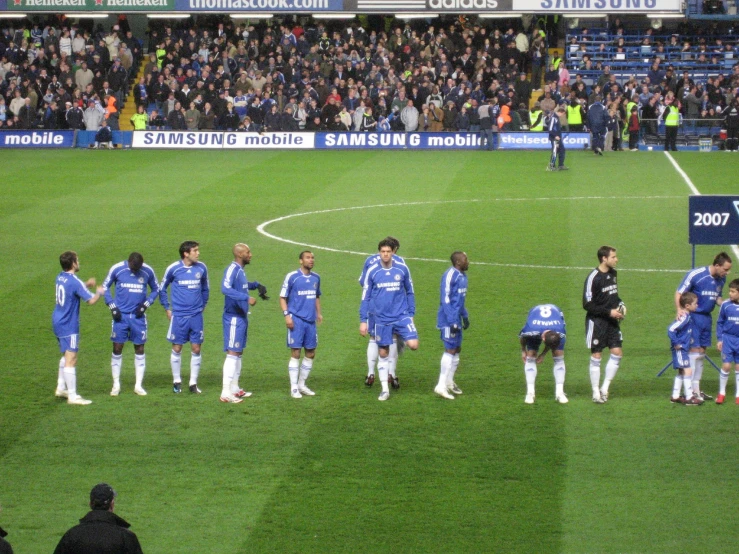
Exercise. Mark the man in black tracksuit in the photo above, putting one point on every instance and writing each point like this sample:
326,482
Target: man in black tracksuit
731,121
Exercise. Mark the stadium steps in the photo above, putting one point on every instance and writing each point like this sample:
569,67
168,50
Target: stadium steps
129,107
535,95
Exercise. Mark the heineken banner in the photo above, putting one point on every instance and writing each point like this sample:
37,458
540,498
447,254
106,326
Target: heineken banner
103,6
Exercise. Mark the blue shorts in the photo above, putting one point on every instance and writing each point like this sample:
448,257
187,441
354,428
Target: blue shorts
533,343
451,339
680,359
404,328
234,333
129,328
70,343
701,333
730,349
186,328
303,334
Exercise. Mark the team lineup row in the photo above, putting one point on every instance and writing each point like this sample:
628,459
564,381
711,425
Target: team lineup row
387,313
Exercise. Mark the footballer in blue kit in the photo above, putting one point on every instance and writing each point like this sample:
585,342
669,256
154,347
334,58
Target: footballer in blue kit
190,292
70,290
451,319
545,323
680,333
372,349
300,300
707,283
388,290
235,289
727,334
130,279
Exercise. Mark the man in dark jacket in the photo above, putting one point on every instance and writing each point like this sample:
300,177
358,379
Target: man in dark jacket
5,547
100,530
597,121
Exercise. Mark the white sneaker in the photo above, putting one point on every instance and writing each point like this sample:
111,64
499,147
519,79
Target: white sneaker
231,399
78,400
562,398
116,390
443,392
295,393
305,391
383,396
530,397
61,393
140,391
454,388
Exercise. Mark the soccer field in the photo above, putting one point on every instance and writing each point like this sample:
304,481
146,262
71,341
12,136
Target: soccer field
342,472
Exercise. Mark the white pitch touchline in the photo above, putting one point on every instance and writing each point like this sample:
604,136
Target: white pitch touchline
262,226
693,188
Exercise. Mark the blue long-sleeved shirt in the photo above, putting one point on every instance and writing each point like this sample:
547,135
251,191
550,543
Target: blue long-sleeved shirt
680,332
451,298
190,288
389,292
130,287
728,320
234,287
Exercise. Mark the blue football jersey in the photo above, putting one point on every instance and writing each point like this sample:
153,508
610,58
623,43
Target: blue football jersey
130,287
728,320
301,292
545,317
235,288
69,291
389,293
451,299
190,288
680,332
708,288
375,259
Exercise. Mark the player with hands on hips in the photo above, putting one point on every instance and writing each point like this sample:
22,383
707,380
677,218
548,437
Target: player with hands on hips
545,323
65,322
727,334
300,300
130,280
451,319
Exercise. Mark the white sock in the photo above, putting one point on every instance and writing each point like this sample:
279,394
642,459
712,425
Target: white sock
595,375
559,375
372,355
139,363
723,378
736,377
529,370
115,366
696,364
677,385
194,368
229,370
305,368
61,384
235,387
611,370
382,371
452,371
175,360
392,359
446,367
688,386
293,369
70,378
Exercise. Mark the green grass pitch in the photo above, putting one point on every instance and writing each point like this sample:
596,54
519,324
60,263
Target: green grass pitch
342,472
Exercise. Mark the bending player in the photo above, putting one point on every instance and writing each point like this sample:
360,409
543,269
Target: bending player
451,319
727,333
130,279
388,291
546,323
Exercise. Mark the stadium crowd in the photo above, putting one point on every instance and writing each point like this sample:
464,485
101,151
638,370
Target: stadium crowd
454,76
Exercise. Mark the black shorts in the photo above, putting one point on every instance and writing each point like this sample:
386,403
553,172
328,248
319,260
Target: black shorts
602,333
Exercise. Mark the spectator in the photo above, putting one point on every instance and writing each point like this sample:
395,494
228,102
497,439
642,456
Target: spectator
409,117
176,118
100,530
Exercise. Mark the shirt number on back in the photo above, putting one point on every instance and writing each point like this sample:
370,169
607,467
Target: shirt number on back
545,311
60,295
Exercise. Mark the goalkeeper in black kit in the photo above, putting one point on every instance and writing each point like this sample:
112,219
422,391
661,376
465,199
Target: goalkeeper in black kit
605,310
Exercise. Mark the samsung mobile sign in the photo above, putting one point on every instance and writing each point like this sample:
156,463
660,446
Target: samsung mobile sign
604,6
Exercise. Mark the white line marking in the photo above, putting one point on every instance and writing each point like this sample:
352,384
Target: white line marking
261,228
693,188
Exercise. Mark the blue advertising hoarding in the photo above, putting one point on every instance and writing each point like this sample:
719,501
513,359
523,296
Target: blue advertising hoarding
237,6
36,139
713,219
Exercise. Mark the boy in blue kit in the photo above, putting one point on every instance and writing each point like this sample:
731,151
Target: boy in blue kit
300,300
451,319
66,323
190,293
545,323
130,280
727,334
388,290
680,332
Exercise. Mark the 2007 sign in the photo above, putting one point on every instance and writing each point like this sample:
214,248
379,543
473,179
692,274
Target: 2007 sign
708,219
